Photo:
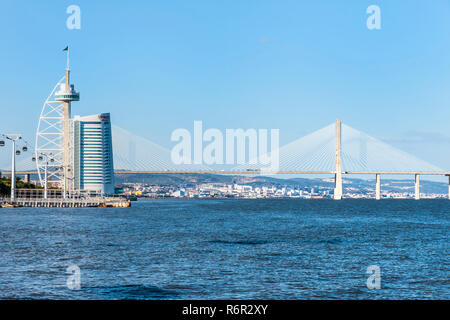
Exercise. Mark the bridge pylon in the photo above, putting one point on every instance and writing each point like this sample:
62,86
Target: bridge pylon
338,166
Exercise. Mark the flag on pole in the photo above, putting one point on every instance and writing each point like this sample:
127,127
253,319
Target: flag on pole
67,49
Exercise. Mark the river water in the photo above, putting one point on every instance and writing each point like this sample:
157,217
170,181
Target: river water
228,249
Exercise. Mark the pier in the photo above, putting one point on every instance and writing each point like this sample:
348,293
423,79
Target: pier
66,203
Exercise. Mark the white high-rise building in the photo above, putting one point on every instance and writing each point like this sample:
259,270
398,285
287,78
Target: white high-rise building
93,154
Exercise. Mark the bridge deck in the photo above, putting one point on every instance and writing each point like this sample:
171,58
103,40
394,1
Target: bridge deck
263,172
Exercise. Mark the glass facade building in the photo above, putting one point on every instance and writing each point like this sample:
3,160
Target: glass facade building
93,154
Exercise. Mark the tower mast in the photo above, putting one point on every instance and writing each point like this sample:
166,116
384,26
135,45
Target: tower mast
66,95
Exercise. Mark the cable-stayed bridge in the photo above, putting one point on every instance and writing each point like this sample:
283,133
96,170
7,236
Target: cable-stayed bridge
336,149
315,153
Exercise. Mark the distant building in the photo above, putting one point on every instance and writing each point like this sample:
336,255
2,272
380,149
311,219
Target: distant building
93,154
179,193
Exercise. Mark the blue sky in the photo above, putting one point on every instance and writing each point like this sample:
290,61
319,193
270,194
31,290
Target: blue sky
293,65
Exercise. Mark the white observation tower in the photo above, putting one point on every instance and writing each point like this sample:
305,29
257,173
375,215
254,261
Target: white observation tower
54,132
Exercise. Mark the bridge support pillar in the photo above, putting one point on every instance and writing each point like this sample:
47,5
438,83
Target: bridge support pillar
378,187
338,186
417,187
449,187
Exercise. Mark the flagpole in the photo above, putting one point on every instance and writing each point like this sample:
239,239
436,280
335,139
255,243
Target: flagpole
67,68
68,61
